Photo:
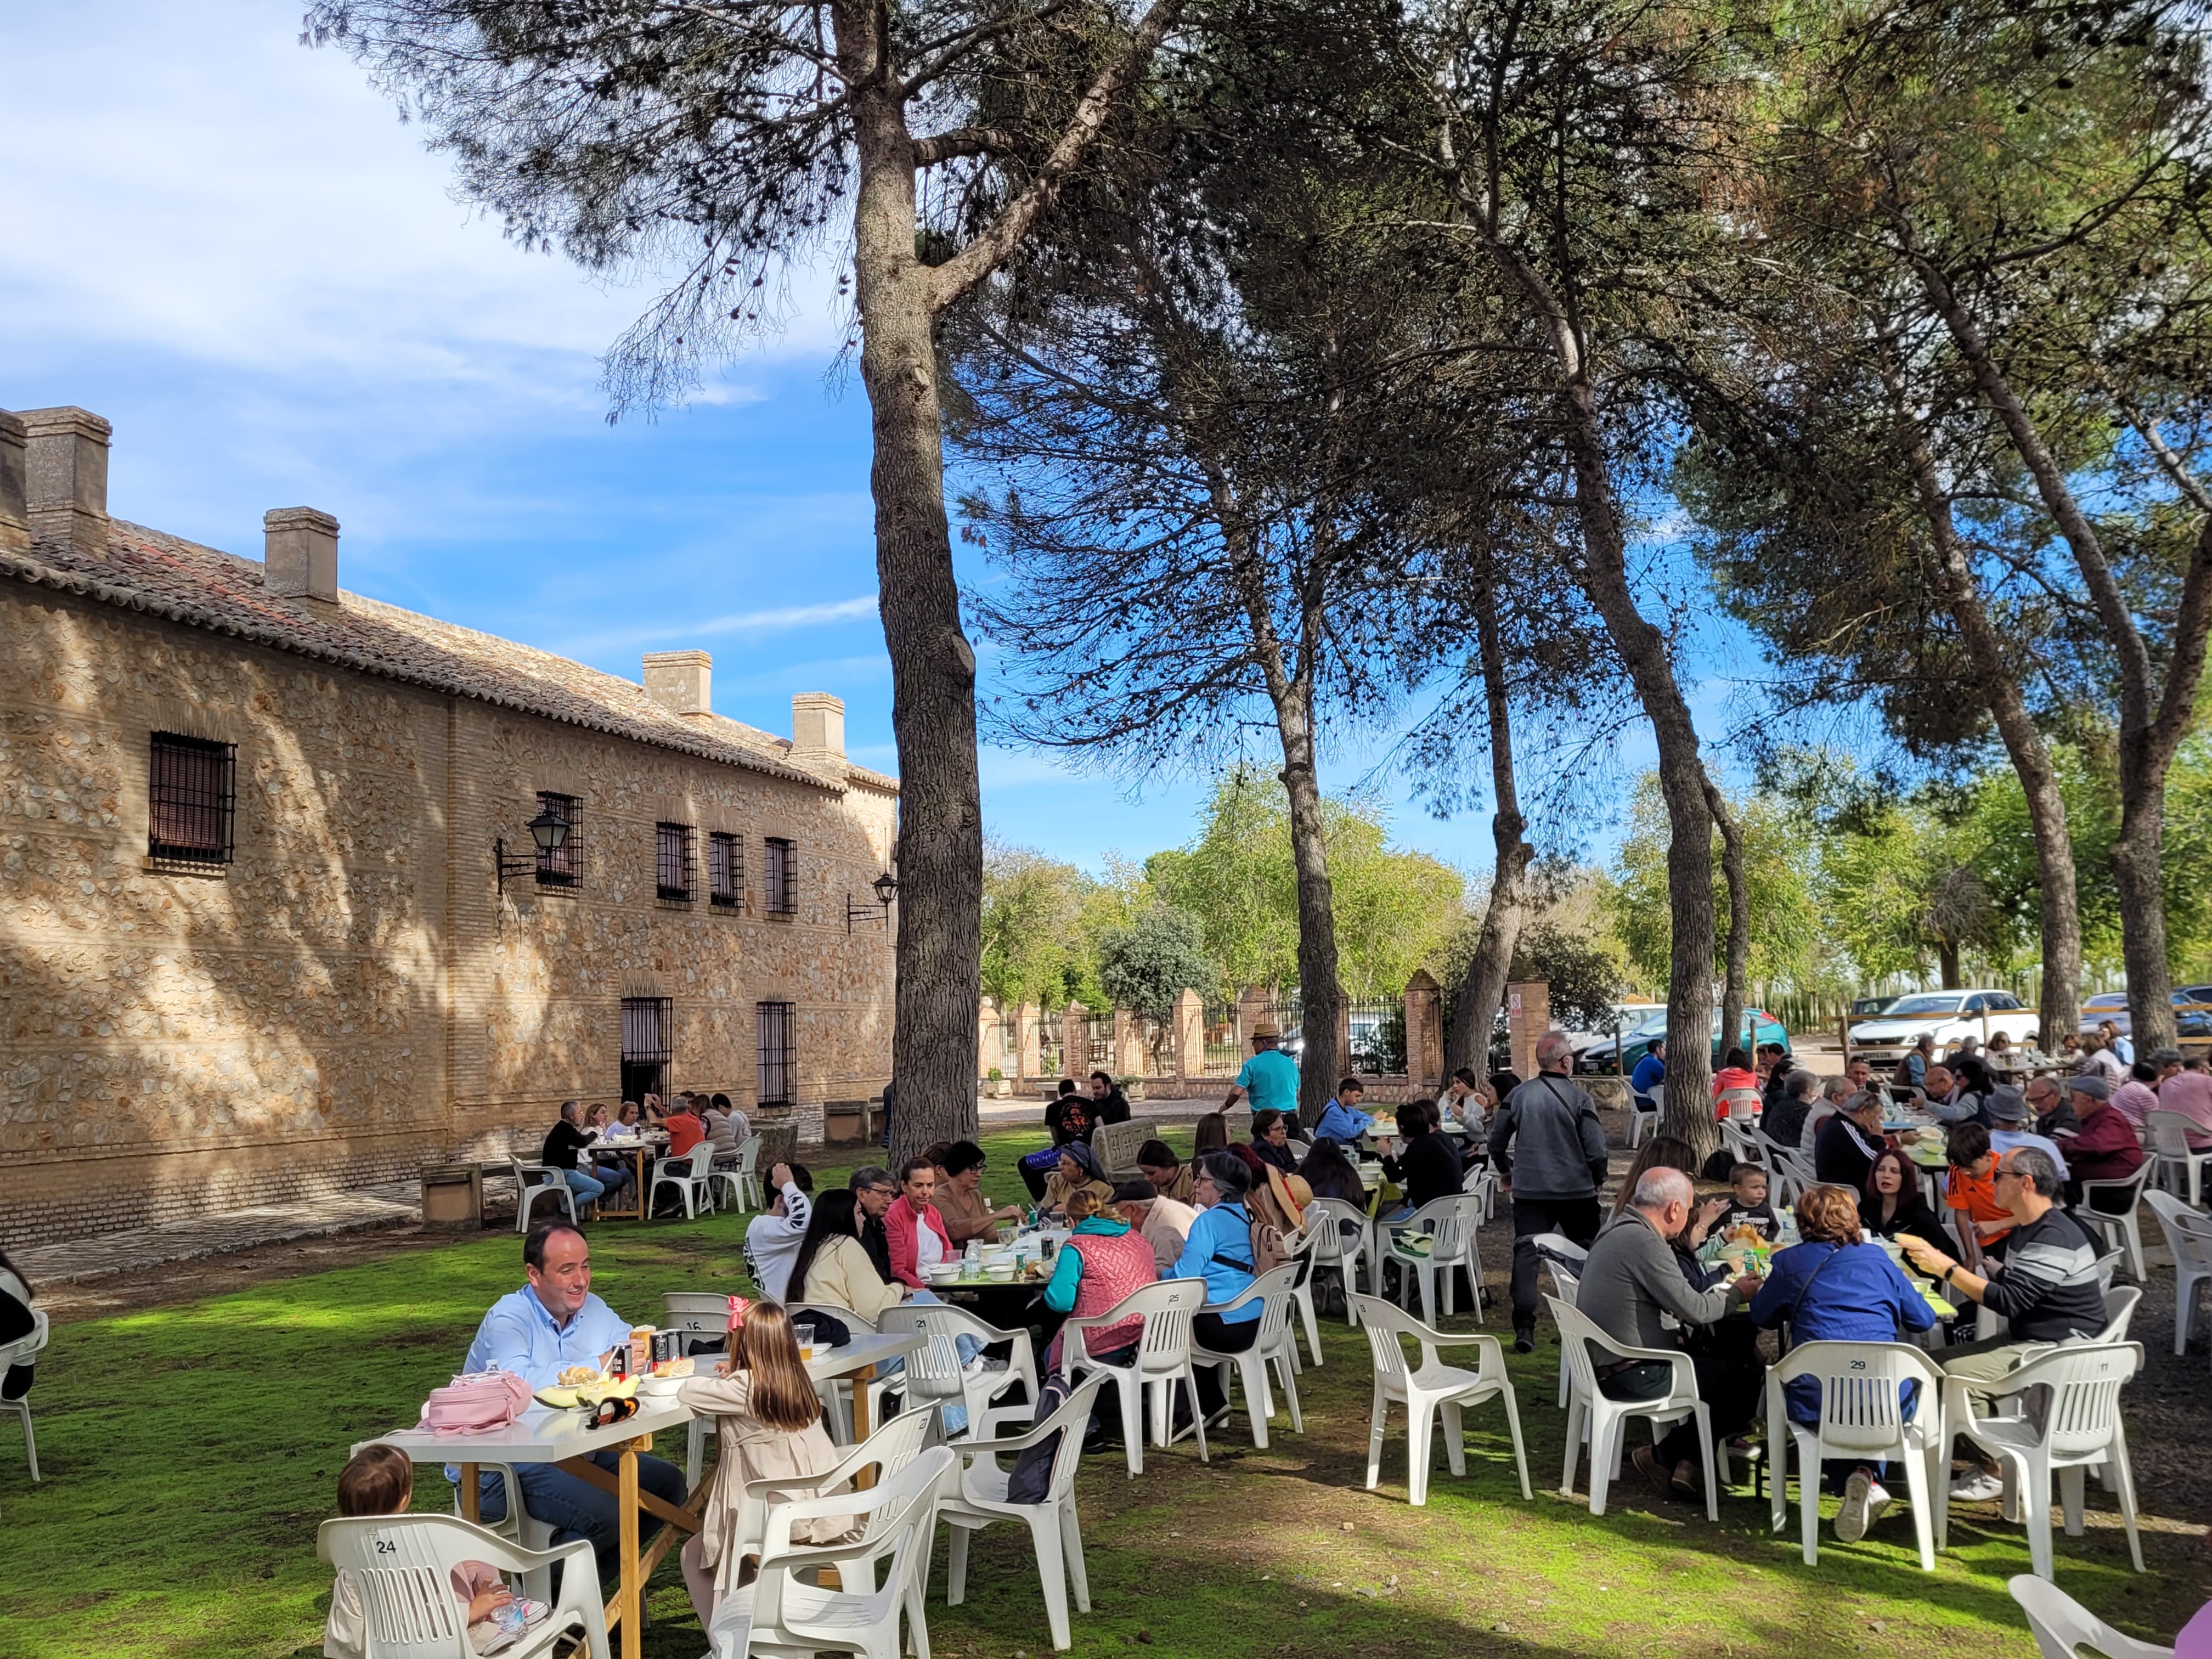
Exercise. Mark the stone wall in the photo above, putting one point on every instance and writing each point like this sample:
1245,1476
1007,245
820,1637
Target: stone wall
349,998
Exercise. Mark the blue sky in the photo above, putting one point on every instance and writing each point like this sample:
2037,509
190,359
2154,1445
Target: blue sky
230,247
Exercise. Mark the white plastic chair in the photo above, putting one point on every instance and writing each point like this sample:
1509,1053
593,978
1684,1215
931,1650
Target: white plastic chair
1333,1247
687,1175
534,1181
1639,1119
1740,1104
1276,1345
2119,1313
1742,1142
1302,1248
1554,1251
2062,1626
934,1371
1862,1418
1481,1183
24,1351
1163,1359
403,1566
837,1392
2119,1230
745,1177
979,1498
2080,1429
2177,1161
1450,1223
879,1573
1605,1421
888,1450
1428,1387
2189,1240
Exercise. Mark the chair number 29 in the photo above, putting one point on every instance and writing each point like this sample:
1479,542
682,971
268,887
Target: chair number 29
1858,1364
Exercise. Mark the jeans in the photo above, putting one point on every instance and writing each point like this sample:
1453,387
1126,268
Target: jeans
1730,1388
585,1187
576,1509
1578,1218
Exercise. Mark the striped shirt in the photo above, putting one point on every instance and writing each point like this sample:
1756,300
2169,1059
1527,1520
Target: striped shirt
2048,1290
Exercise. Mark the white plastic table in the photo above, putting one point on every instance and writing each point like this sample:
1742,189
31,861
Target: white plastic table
543,1435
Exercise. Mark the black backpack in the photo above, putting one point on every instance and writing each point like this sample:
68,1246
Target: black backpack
1030,1480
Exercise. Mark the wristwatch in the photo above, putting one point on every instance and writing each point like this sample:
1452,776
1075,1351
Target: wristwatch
1949,1270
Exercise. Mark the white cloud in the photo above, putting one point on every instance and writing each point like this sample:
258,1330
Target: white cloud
190,179
778,620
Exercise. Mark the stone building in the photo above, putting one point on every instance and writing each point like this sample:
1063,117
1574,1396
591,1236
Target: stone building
253,938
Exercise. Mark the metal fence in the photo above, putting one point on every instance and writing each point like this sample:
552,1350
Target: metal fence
1378,1033
1224,1045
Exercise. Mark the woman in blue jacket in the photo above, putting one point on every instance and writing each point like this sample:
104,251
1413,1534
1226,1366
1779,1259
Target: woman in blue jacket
1836,1287
1218,1249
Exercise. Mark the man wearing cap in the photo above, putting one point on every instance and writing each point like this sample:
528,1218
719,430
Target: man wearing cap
2104,1148
1270,1076
1162,1222
2009,1128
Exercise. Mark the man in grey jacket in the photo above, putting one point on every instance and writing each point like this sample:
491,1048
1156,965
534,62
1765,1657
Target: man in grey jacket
1547,1141
1630,1279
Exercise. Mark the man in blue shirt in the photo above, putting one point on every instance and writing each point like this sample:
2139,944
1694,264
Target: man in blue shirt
552,1322
1218,1249
1650,1072
1270,1076
1341,1119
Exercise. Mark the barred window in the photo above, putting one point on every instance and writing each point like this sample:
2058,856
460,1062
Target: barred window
673,844
779,881
645,1047
725,870
779,1025
562,866
192,796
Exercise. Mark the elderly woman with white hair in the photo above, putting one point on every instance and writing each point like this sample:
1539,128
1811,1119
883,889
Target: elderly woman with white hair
1631,1280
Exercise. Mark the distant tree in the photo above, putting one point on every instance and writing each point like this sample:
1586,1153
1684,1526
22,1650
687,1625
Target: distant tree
1581,977
1031,909
1146,965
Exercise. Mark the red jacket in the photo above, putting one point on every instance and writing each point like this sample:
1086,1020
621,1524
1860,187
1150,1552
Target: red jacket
899,1224
2104,1148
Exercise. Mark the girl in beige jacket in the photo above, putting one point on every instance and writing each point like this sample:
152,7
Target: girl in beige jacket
769,1424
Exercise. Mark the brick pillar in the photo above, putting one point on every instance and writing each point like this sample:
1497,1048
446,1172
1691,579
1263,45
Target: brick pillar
1424,1033
1074,1041
1190,1035
1129,1046
990,1045
1255,1003
1527,1016
1029,1042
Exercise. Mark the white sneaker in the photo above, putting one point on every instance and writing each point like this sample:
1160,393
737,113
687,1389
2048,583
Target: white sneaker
1878,1502
1851,1517
1977,1486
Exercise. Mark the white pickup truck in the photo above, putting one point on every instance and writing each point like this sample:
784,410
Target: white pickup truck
1947,1016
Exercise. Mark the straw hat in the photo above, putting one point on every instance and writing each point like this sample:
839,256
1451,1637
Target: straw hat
1267,1030
1292,1194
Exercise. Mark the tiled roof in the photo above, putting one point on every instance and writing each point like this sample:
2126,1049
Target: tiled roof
202,588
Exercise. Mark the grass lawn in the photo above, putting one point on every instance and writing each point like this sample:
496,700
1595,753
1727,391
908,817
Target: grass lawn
190,1451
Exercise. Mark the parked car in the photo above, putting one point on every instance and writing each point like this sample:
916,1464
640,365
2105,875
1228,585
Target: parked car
1759,1027
2190,1020
1867,1007
1623,1017
1949,1017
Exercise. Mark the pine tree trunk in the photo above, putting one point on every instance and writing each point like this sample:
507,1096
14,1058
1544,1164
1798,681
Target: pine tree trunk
1482,988
2059,913
940,846
1318,993
1946,958
1739,942
2136,885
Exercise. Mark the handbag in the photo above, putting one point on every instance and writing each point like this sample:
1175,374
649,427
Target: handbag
476,1402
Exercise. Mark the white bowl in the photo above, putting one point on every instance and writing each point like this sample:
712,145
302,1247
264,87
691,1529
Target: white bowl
661,1388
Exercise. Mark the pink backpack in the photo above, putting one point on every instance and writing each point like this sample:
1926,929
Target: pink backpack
476,1402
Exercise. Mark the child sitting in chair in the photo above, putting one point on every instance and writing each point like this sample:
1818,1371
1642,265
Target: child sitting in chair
379,1480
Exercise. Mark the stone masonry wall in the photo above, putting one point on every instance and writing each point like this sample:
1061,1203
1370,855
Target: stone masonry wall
350,999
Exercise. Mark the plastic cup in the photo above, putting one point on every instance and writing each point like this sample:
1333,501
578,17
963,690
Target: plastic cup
804,1330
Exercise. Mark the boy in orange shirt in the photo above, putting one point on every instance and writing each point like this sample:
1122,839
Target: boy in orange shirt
1973,1188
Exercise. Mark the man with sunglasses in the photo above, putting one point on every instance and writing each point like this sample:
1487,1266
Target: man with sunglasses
2046,1289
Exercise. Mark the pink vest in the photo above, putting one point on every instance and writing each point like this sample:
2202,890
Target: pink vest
1113,1266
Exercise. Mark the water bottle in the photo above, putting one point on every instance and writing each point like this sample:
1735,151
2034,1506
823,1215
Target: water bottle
972,1262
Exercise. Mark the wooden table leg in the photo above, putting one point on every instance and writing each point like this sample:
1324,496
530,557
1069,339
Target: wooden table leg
631,1597
472,1498
861,1427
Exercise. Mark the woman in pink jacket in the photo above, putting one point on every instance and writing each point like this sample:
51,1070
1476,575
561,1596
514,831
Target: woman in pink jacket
918,1236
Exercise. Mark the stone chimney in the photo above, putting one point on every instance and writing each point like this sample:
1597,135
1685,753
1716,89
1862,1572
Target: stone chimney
682,682
65,476
15,503
300,553
817,726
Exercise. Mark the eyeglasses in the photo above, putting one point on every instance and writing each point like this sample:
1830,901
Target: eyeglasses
2007,1175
